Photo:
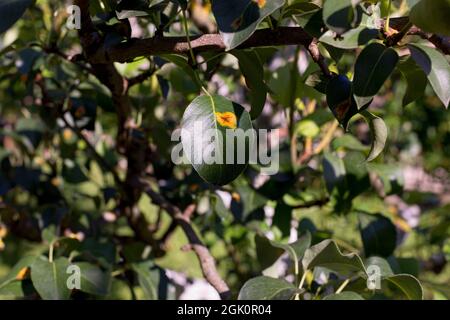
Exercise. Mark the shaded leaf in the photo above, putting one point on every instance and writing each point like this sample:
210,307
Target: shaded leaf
436,67
345,295
94,280
408,285
340,99
327,254
266,253
378,234
338,15
11,11
252,69
266,288
296,249
416,80
373,66
238,19
378,132
432,16
18,268
379,264
148,278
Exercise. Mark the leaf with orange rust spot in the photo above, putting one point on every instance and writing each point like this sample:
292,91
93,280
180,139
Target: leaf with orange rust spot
22,273
212,141
227,119
19,271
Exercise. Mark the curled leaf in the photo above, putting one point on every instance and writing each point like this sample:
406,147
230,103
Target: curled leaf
379,133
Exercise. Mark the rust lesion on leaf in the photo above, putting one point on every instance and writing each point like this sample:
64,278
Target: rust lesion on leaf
236,23
227,119
261,3
22,274
342,109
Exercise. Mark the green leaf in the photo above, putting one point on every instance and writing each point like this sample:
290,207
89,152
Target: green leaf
307,128
12,291
210,130
345,295
379,134
351,39
11,11
49,278
238,19
182,62
299,8
266,252
373,66
391,176
282,218
408,285
148,278
311,22
416,80
340,99
94,280
280,91
378,234
339,15
266,288
435,67
252,69
24,262
432,16
250,200
381,264
333,172
296,249
348,142
327,254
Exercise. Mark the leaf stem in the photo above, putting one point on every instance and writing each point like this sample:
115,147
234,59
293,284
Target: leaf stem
197,78
50,251
269,21
388,17
343,285
185,24
302,281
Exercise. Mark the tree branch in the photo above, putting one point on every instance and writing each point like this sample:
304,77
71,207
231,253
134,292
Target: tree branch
207,262
127,51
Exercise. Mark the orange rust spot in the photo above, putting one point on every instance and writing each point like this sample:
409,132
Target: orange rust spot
261,3
236,23
193,187
3,231
341,110
236,197
80,112
227,119
22,273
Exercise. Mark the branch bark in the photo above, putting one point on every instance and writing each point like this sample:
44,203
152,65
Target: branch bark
157,45
281,36
207,262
